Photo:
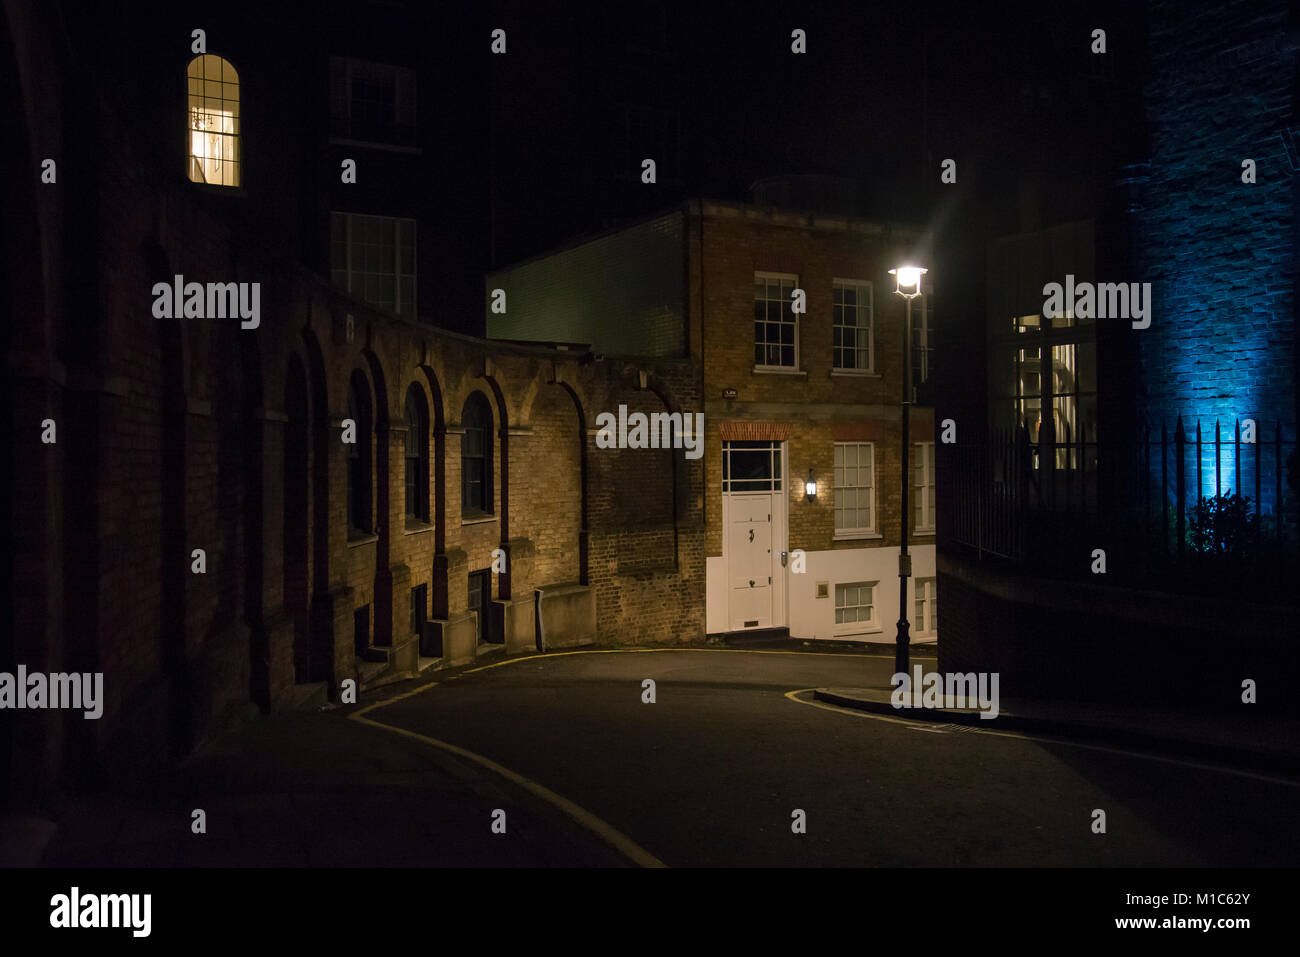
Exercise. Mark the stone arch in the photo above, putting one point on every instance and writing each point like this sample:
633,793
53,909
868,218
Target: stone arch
554,513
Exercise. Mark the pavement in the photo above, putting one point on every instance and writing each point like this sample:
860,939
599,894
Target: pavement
566,746
1266,743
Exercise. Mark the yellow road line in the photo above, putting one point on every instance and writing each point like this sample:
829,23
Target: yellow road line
854,712
624,844
646,651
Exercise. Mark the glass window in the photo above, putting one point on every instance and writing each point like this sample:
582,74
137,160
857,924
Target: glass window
417,456
925,607
751,466
852,345
922,468
372,102
775,324
855,603
854,487
214,123
476,457
359,477
373,257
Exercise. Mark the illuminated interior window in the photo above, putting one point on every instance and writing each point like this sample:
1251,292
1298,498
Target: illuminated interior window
214,124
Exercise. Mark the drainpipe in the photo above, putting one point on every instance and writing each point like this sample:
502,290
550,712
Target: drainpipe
537,616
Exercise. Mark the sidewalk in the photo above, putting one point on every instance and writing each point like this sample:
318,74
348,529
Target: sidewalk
307,789
1258,742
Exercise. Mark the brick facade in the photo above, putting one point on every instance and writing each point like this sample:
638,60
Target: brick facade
183,434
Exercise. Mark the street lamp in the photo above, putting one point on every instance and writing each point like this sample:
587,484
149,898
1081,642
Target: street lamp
907,283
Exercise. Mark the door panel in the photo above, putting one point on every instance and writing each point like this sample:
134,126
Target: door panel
749,560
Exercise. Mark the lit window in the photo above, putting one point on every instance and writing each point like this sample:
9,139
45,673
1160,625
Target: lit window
214,124
922,466
852,346
776,326
925,608
855,604
1070,383
855,512
373,257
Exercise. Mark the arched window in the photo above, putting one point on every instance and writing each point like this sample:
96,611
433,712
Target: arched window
417,456
214,123
359,520
476,457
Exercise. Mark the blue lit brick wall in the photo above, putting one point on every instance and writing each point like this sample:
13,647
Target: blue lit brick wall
1220,253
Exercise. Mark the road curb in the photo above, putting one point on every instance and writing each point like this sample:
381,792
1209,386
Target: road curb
1243,758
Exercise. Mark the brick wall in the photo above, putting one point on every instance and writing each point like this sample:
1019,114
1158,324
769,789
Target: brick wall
1221,254
176,434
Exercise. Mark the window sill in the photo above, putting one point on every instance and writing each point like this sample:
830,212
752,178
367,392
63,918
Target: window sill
417,527
361,538
771,370
376,145
477,519
213,189
858,537
923,532
877,630
856,374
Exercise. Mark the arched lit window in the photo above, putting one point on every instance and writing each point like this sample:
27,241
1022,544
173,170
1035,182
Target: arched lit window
359,520
214,123
417,456
476,457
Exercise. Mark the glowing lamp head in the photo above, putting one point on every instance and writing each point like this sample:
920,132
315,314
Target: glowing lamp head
908,280
810,486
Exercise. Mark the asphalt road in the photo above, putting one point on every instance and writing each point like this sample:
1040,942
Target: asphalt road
711,773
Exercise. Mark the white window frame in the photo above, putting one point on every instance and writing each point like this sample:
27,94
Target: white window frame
400,307
926,591
856,531
870,327
794,279
922,468
859,627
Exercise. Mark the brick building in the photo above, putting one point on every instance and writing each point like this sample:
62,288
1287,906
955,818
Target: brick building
473,510
785,396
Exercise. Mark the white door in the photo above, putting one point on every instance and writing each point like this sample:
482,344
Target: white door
753,517
749,560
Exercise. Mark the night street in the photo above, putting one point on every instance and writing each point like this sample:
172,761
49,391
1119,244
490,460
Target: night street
708,775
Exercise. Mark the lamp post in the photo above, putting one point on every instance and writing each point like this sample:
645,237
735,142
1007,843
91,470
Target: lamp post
907,283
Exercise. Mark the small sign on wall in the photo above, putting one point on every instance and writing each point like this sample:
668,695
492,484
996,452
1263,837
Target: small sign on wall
728,393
